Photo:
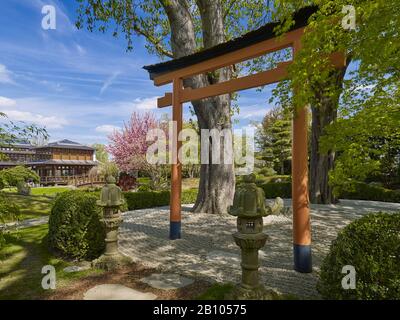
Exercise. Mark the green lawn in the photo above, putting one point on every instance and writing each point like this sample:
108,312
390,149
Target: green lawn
41,191
36,205
48,191
31,206
21,263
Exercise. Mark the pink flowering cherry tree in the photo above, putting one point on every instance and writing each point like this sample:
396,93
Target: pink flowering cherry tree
129,146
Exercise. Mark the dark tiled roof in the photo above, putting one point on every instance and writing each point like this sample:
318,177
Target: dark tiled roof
22,144
264,33
67,144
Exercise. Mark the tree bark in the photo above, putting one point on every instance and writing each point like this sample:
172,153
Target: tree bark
217,181
321,163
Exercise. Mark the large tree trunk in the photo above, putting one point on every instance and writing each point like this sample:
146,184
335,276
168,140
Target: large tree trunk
217,181
321,163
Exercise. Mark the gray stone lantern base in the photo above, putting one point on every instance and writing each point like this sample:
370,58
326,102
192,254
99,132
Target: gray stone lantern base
250,288
111,262
112,258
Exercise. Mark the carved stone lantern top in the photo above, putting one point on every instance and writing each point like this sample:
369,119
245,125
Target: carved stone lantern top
111,194
249,200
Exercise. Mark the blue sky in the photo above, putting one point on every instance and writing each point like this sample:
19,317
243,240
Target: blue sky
80,85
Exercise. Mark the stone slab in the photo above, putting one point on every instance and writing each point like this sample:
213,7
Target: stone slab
168,281
116,292
72,269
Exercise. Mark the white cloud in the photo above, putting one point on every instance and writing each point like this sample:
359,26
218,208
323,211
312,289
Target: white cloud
146,103
7,102
50,122
109,81
252,112
80,49
5,75
55,86
107,128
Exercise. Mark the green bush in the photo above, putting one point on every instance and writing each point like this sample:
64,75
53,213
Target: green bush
267,172
9,212
75,229
23,188
150,199
189,196
144,187
11,177
372,245
3,181
277,189
363,191
279,178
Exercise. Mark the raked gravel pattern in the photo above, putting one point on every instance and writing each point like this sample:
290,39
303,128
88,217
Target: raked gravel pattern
207,249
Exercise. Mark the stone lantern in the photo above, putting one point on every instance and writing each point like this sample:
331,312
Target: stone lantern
111,199
249,208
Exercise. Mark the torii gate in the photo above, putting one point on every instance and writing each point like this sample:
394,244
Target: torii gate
249,46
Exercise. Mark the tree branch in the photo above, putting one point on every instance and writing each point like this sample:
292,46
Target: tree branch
228,10
156,42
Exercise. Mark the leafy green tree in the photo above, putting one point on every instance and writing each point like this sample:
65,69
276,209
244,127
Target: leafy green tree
176,28
11,132
275,139
372,47
13,176
368,144
101,152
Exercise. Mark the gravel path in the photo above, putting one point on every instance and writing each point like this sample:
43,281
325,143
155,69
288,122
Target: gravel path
207,248
25,223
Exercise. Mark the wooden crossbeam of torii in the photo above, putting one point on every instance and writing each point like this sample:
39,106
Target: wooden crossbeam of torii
250,46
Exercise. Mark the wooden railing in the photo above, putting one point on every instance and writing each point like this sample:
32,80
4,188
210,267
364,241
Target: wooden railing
77,181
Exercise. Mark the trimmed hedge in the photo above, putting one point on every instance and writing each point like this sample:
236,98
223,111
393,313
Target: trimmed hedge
277,189
372,246
75,229
363,191
189,196
150,199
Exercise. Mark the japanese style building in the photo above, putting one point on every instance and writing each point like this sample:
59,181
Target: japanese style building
55,163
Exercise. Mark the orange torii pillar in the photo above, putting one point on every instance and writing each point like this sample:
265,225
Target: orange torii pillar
176,169
300,200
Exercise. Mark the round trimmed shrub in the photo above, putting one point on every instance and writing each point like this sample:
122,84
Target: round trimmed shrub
372,245
75,229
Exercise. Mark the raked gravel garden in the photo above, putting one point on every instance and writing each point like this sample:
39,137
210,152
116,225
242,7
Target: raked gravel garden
207,249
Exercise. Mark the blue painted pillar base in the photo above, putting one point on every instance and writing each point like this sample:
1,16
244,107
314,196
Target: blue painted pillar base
174,230
302,258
